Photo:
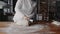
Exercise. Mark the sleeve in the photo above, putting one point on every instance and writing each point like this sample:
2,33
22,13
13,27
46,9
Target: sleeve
18,7
33,9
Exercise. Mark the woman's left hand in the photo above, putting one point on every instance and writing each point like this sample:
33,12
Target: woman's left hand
27,18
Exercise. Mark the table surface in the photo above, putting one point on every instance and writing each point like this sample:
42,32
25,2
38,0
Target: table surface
53,29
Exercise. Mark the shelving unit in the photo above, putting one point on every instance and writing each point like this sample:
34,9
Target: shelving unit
43,9
47,9
7,11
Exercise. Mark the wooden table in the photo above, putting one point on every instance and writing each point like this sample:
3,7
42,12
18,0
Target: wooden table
52,28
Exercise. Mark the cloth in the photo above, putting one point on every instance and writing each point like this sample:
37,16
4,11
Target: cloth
23,8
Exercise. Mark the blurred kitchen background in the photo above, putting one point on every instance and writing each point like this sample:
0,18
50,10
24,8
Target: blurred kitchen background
6,10
46,10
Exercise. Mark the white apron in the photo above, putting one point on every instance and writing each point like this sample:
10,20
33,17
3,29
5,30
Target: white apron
22,8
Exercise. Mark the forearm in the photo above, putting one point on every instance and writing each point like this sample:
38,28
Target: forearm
21,11
26,11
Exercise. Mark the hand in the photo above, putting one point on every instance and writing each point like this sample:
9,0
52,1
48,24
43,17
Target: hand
27,18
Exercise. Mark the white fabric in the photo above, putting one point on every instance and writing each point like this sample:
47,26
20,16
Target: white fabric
22,8
25,7
56,23
19,19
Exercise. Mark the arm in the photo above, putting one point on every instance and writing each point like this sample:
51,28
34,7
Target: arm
18,8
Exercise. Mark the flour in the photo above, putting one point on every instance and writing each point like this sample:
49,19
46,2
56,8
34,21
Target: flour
16,29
